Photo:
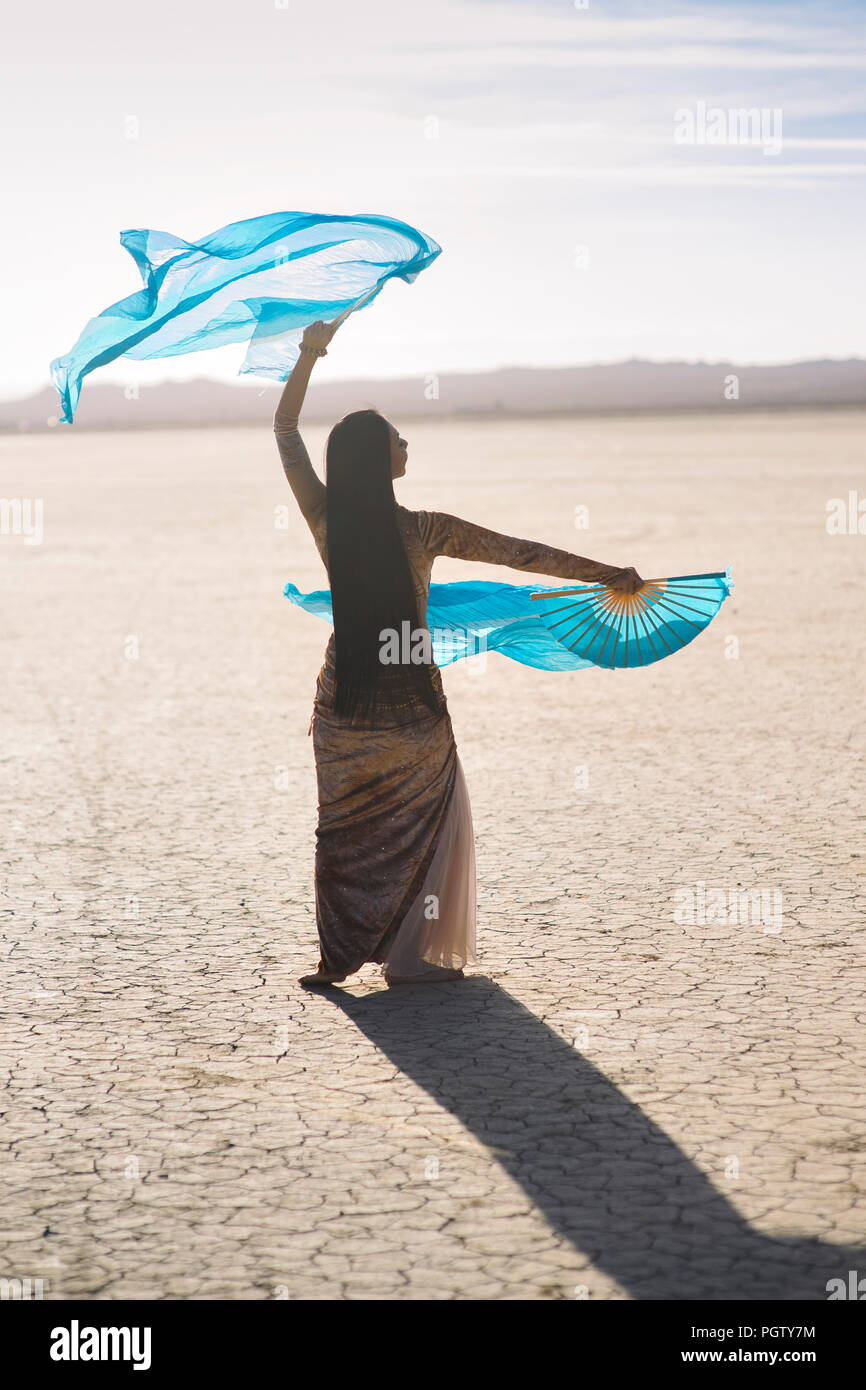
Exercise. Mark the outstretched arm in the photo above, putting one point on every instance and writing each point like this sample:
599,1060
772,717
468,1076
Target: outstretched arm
463,540
305,483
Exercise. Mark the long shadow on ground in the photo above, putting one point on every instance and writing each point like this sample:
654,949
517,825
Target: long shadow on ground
599,1170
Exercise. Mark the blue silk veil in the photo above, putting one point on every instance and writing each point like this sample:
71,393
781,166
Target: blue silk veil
478,615
259,281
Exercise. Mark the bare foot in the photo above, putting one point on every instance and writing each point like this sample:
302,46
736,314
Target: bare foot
321,977
430,979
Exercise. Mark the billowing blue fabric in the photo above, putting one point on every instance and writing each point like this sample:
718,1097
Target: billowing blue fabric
261,280
479,615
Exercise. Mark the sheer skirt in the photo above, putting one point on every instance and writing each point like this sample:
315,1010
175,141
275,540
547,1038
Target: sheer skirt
438,931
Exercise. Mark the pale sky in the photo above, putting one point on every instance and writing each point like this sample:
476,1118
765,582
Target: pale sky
515,134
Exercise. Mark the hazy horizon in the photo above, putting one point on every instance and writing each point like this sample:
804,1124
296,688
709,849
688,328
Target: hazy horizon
257,384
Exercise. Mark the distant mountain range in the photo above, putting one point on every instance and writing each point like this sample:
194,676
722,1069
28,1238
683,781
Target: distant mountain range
620,387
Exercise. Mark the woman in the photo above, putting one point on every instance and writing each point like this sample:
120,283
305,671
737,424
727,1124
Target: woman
395,859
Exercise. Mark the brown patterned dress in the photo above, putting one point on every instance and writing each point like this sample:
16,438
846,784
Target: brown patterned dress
395,858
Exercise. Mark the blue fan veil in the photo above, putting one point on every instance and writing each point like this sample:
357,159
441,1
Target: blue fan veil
470,617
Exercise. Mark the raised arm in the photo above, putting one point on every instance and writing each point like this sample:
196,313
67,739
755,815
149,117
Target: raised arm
464,540
305,483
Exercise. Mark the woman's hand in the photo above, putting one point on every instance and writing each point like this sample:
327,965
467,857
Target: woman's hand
318,334
316,338
623,581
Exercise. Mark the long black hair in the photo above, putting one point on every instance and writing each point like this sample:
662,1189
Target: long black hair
371,583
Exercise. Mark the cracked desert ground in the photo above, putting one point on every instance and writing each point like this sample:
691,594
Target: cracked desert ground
614,1104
